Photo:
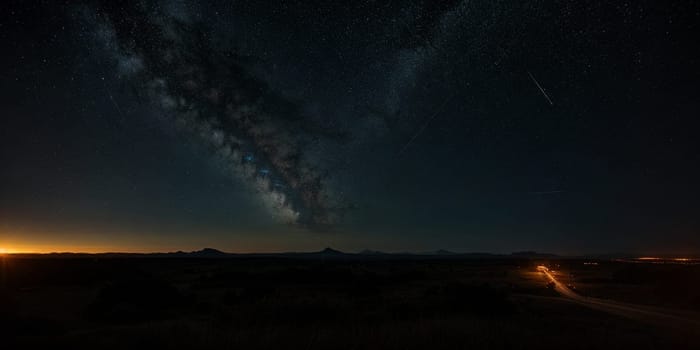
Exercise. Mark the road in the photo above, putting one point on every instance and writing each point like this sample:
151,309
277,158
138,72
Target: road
674,318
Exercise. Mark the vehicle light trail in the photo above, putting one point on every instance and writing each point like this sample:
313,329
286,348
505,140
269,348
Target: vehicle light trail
677,319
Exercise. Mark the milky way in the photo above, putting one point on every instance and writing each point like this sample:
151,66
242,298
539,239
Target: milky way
205,88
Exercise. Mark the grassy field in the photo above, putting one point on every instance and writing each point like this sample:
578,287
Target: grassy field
267,303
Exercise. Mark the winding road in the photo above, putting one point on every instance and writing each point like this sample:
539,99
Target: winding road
669,317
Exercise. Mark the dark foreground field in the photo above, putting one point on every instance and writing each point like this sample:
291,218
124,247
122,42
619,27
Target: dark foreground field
286,303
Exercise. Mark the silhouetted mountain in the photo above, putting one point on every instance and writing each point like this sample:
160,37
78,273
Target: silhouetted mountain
330,251
532,254
327,253
433,252
372,252
208,253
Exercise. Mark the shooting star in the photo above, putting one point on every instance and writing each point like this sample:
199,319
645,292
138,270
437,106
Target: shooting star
111,98
540,87
119,110
442,106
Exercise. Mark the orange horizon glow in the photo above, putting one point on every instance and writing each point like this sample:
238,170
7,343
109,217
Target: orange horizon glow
18,249
87,249
30,239
26,239
9,251
105,250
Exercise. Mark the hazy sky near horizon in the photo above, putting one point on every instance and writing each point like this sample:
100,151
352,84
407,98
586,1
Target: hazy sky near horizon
497,126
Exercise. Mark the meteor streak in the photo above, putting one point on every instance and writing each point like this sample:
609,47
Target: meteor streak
424,125
541,89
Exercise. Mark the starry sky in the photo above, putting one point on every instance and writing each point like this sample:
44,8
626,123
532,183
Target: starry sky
567,127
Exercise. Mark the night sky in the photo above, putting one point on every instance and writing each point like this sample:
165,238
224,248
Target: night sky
560,126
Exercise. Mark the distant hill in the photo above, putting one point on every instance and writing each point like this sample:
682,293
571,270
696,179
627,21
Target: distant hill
532,254
326,253
371,252
330,251
208,253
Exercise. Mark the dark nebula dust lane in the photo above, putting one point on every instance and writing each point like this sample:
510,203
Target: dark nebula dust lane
258,135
